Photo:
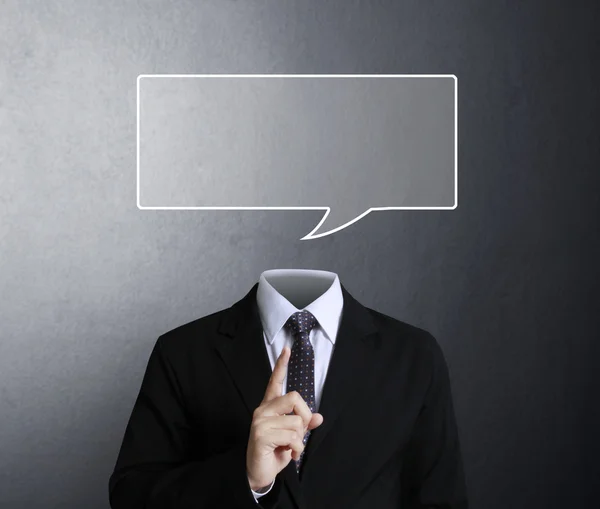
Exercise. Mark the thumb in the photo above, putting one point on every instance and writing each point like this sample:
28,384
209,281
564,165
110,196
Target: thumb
315,421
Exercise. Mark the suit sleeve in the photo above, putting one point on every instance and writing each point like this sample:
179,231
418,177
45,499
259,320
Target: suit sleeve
433,472
154,469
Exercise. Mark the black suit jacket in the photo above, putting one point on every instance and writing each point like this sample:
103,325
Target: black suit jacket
388,440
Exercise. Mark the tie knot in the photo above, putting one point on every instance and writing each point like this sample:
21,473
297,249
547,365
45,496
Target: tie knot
301,321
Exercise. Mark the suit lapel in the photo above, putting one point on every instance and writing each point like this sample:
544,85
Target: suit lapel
244,353
351,360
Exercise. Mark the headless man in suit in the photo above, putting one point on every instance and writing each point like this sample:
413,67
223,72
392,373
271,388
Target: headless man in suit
296,397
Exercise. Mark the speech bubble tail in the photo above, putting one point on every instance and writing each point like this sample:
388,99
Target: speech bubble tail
333,221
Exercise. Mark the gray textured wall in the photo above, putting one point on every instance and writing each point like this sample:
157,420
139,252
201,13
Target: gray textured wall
507,282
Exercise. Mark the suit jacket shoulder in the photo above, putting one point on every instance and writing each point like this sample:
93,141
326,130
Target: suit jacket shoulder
409,339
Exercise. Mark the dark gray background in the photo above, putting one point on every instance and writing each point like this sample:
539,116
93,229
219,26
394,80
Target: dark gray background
507,282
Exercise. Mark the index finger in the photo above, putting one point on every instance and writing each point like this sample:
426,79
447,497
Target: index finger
275,385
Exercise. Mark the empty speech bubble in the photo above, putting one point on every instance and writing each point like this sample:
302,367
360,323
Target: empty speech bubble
345,144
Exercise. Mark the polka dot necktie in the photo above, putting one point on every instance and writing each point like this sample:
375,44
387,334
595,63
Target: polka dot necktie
301,366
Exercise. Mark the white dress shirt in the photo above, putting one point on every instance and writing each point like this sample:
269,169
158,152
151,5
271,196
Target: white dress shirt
283,292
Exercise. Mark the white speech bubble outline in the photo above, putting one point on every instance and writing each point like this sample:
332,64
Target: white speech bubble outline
327,210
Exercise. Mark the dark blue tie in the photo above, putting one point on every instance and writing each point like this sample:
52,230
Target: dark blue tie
301,367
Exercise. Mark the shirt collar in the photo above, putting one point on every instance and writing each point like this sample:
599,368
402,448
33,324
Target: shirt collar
275,309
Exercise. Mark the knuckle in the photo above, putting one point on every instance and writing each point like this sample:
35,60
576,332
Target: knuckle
258,432
257,425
